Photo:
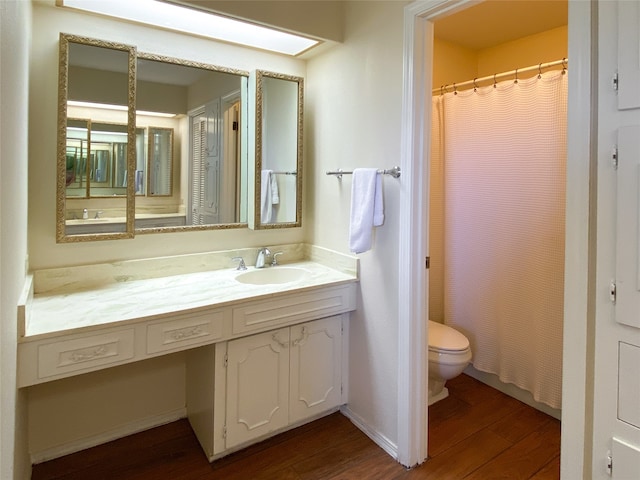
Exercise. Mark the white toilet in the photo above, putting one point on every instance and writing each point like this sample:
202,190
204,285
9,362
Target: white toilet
449,354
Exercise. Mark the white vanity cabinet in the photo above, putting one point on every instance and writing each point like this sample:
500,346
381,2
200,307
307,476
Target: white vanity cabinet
262,384
257,387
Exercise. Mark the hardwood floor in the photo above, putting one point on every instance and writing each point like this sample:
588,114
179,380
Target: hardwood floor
475,433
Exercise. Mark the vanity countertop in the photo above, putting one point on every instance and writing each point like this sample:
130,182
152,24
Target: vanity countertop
65,310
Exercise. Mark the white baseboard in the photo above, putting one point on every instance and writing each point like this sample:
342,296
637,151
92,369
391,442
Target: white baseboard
511,390
379,439
109,435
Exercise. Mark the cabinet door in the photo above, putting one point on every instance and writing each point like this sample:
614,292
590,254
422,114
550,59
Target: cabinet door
316,368
257,385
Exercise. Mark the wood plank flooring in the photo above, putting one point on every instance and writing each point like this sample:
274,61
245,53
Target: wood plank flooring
477,433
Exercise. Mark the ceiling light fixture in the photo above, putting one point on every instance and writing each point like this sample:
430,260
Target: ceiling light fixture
196,22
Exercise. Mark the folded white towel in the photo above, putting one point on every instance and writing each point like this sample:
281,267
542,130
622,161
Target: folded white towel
269,195
367,209
275,194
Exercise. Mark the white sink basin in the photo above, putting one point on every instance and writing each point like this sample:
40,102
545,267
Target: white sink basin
272,275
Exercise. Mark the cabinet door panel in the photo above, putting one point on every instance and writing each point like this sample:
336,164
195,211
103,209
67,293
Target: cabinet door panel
628,55
316,370
257,385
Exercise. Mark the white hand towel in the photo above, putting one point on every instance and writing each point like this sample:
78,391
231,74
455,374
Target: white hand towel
265,197
275,195
367,209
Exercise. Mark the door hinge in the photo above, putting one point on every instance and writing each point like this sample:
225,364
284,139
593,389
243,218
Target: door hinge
614,158
609,464
235,126
224,431
614,82
427,262
612,291
226,360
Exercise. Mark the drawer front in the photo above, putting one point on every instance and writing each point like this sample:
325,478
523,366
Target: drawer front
292,309
185,332
86,353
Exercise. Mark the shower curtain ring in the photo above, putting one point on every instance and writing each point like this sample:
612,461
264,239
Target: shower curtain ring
455,89
516,80
564,66
475,85
494,81
539,71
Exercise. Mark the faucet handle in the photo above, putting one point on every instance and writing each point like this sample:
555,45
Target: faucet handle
274,258
241,264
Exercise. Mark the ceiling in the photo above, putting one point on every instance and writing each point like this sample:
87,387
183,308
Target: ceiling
493,22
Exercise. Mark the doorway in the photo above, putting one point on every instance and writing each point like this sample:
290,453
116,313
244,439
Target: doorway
497,192
419,18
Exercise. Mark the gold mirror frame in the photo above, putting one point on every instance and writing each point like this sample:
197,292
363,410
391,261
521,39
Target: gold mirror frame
257,223
204,66
63,96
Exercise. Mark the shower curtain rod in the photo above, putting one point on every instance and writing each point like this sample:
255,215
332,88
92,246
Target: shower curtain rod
474,83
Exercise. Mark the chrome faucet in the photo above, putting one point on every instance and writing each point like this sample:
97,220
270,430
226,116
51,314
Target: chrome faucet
240,260
260,259
274,261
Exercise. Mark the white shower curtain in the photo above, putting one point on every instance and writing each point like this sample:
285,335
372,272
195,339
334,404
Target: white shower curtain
503,182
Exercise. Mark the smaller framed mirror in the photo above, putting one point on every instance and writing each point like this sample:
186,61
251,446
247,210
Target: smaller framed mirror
278,151
96,151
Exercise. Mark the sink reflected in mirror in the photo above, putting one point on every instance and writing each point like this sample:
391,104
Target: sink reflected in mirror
273,275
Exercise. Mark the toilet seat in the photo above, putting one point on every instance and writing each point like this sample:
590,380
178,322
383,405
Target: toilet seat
443,338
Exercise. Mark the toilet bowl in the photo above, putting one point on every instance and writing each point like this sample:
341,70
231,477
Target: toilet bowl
449,354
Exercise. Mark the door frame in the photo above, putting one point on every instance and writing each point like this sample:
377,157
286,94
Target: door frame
413,244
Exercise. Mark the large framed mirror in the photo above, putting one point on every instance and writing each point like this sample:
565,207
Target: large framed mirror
96,140
172,157
195,122
278,151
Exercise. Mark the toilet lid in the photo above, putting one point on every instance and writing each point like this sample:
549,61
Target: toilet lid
443,337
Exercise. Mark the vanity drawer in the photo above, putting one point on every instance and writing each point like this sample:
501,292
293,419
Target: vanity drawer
293,308
184,332
85,353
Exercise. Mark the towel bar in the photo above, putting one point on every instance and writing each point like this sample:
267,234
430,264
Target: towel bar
394,172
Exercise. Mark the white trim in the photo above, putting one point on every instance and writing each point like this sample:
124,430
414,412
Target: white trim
412,329
378,438
414,220
108,436
576,441
412,248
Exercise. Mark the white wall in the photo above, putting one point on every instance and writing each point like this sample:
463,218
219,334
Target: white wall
15,31
353,110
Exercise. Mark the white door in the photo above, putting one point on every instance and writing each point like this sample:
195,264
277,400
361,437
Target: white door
316,367
616,447
257,386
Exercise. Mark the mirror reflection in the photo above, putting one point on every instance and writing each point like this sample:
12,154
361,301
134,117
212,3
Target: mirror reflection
153,144
182,161
94,148
194,174
278,150
160,166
